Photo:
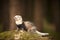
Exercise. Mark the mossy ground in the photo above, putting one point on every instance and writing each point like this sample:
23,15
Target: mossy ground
10,35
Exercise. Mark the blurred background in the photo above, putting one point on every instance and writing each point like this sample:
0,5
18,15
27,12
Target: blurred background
43,13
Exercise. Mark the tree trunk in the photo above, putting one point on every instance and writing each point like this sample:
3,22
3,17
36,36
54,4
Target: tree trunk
38,14
55,11
5,15
14,9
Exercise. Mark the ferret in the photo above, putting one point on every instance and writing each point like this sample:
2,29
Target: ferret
26,25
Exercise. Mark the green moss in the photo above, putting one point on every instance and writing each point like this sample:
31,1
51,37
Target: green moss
24,36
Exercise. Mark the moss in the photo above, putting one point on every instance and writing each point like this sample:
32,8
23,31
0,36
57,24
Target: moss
9,35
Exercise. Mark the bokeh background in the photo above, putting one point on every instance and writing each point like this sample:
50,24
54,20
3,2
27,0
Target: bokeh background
43,13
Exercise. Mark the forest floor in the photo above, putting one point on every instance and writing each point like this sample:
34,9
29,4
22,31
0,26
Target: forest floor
20,35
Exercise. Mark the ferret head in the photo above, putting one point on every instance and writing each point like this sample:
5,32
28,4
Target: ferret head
18,19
